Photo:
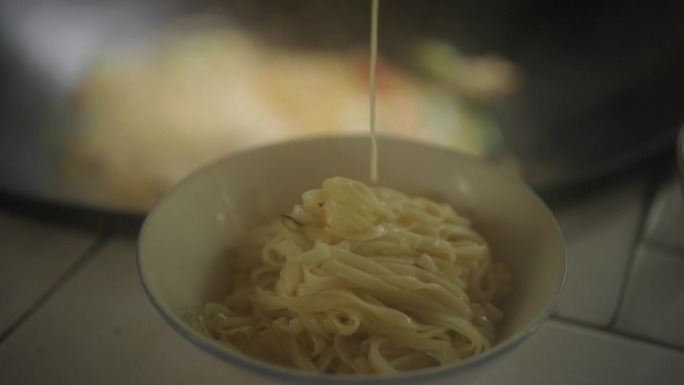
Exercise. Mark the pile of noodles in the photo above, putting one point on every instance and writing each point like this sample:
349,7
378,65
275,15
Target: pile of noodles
361,279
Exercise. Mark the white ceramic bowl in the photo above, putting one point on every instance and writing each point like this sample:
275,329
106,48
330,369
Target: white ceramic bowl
183,243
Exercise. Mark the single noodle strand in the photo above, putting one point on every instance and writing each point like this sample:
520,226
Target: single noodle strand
373,62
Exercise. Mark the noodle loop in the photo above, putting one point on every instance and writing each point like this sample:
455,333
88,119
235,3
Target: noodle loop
374,281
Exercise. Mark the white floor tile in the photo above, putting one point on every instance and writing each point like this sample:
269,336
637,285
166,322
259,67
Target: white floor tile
33,256
653,306
562,354
100,328
665,223
600,231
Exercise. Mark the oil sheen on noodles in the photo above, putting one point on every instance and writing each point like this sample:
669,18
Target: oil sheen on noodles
361,279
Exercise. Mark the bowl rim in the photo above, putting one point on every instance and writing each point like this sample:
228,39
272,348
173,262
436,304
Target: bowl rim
301,377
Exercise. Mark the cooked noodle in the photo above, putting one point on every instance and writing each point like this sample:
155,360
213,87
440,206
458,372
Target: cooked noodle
362,280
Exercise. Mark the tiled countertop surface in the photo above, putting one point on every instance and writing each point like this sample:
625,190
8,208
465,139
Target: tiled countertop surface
72,310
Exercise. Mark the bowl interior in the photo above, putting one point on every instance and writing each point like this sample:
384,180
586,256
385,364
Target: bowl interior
185,243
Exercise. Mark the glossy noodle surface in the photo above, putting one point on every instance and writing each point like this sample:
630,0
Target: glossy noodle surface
360,279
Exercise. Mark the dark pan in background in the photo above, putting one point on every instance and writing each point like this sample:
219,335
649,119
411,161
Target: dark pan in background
603,87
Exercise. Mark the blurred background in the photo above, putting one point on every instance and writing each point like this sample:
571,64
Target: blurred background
106,104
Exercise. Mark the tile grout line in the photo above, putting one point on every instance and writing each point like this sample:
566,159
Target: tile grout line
650,194
663,247
627,336
75,267
651,341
